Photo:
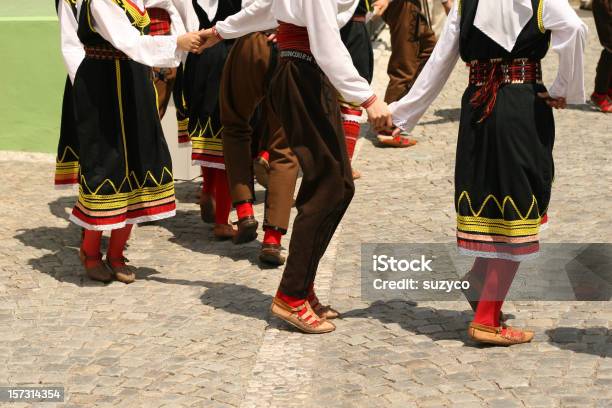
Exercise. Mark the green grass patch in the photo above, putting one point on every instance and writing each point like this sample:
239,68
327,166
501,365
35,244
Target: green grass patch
32,86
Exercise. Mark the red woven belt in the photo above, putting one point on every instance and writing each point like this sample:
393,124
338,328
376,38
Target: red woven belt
160,21
359,19
292,37
491,75
105,52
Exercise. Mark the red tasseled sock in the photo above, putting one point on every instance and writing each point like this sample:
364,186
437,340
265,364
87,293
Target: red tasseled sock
208,180
350,123
264,154
290,300
272,236
244,210
222,197
116,245
91,245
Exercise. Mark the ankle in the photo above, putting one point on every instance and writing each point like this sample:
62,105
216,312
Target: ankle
244,210
272,236
290,300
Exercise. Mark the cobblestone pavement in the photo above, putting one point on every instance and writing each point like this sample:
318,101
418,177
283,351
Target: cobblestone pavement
194,330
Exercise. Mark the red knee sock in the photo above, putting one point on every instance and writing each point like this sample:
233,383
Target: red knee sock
272,236
498,279
350,123
208,180
116,245
244,210
91,245
222,197
290,300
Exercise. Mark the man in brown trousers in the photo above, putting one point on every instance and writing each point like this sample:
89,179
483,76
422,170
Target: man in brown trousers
412,42
244,87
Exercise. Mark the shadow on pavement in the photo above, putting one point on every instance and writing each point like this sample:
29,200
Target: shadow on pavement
191,233
593,340
437,324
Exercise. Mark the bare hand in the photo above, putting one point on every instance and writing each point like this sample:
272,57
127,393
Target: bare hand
209,39
448,6
379,115
557,103
189,42
380,6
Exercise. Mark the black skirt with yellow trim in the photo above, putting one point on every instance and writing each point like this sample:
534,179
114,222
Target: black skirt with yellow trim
504,174
126,169
203,74
67,161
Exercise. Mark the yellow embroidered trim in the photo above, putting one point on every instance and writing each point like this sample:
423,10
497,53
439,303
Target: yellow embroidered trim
140,21
540,16
120,101
459,4
498,226
502,206
140,185
120,200
368,6
93,30
200,132
66,150
67,168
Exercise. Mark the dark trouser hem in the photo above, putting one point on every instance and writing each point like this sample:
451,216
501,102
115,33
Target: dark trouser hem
305,102
603,78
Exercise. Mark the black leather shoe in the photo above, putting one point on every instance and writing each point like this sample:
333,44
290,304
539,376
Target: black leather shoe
247,230
271,255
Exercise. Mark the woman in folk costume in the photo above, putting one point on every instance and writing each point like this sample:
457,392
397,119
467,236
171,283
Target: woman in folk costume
125,167
504,163
190,21
203,74
67,162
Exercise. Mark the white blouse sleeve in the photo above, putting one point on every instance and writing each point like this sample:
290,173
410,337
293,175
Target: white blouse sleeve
113,25
257,16
568,39
330,52
73,52
408,110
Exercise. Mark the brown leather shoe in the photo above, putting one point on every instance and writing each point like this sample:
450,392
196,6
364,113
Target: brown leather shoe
123,273
247,230
261,168
99,272
207,208
324,311
302,317
224,231
271,254
499,336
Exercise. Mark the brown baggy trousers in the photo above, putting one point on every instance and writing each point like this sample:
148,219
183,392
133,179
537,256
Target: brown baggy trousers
412,42
306,104
244,86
